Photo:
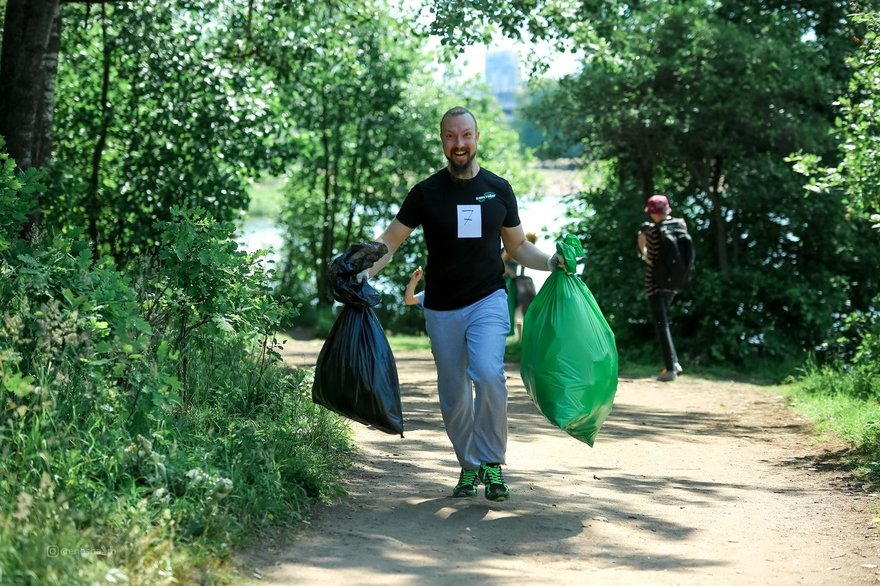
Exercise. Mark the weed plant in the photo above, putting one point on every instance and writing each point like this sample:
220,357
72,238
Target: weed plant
147,423
843,395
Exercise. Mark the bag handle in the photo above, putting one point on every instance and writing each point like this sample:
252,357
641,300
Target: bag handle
571,250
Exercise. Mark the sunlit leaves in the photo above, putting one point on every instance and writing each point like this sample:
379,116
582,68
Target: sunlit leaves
187,126
859,129
359,111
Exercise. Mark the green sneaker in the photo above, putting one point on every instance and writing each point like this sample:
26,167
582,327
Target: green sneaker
468,481
496,488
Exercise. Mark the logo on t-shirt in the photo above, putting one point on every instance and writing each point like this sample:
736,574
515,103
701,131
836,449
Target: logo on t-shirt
485,197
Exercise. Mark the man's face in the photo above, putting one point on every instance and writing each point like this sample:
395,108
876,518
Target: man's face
459,141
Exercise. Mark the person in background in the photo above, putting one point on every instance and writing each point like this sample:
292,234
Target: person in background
510,269
467,213
520,289
659,300
410,297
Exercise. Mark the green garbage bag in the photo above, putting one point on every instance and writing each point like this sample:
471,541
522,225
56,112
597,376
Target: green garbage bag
568,359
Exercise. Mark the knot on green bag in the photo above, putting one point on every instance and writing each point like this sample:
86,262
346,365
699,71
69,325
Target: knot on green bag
571,250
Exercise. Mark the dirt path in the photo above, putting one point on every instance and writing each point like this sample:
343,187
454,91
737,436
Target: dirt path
693,482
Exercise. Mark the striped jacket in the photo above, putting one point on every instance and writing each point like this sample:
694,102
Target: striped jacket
651,231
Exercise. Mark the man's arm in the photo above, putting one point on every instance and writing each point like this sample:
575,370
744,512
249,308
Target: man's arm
523,251
392,237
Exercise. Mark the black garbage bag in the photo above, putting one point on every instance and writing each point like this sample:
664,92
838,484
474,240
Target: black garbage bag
356,375
343,271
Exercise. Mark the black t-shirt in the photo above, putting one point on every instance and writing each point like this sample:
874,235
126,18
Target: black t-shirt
462,221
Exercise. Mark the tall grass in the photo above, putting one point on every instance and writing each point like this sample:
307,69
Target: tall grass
844,400
842,395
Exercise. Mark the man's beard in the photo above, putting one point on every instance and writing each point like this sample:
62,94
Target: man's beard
461,168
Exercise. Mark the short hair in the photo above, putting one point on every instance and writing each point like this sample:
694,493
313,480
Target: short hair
458,111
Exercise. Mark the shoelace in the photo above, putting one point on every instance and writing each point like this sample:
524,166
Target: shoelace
468,477
493,475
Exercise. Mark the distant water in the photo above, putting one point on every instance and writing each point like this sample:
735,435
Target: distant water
260,233
544,218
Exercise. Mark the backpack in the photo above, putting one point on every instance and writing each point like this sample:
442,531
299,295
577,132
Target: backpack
675,267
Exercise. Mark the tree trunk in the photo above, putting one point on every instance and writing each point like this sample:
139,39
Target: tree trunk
94,207
328,224
27,79
713,189
355,181
46,109
646,179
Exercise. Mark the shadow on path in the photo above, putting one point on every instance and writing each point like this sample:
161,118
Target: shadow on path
700,482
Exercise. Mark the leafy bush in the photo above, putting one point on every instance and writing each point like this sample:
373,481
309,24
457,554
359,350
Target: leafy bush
146,417
850,362
15,197
850,359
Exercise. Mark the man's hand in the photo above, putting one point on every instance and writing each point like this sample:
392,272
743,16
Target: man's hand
362,276
556,261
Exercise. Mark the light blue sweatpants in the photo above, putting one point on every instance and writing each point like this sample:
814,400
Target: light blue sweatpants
468,345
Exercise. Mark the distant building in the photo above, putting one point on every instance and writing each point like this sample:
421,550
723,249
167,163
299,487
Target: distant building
502,75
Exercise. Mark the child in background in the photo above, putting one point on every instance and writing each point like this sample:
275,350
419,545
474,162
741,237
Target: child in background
659,300
411,297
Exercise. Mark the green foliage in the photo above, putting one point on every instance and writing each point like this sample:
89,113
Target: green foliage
16,190
841,389
853,348
845,401
829,400
211,290
857,173
463,22
360,115
146,419
266,198
366,113
151,113
849,363
705,102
